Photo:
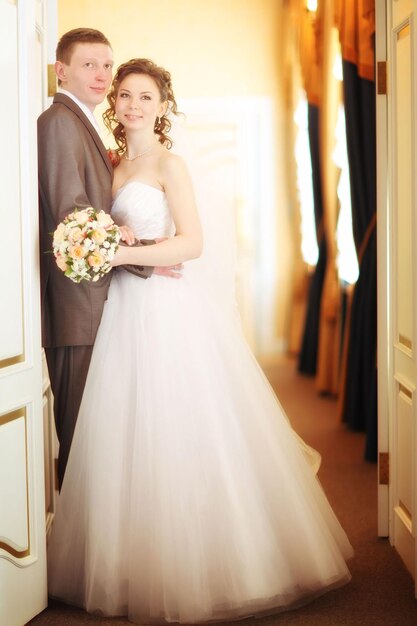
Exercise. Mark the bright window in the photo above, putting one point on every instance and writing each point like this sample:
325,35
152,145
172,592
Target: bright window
347,262
309,249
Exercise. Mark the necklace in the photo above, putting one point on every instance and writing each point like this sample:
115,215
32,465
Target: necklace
140,153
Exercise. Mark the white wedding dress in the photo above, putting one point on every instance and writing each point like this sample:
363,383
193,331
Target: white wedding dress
187,496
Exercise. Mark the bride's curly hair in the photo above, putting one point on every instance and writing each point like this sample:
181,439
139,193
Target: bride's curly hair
162,79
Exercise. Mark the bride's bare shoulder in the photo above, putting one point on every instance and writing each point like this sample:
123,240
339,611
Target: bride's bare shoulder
171,164
170,159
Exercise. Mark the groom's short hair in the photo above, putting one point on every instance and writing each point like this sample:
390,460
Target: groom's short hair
67,42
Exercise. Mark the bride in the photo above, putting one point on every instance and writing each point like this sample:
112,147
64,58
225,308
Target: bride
187,496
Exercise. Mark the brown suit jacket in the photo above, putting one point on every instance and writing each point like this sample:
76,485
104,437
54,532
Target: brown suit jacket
74,171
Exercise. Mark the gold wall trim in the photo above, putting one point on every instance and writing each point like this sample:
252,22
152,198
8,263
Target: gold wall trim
383,468
407,343
404,32
12,360
5,418
381,74
18,554
404,509
404,390
51,81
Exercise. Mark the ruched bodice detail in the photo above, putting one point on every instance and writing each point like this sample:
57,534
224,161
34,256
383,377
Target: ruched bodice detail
145,209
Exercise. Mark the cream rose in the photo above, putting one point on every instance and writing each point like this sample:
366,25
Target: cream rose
98,235
59,234
104,219
82,217
61,262
75,234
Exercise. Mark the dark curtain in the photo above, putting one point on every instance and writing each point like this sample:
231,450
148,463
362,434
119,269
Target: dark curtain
308,355
360,384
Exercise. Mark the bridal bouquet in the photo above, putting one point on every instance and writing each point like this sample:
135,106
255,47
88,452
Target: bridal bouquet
85,243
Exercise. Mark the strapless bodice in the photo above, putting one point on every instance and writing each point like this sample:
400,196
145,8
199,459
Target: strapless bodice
145,209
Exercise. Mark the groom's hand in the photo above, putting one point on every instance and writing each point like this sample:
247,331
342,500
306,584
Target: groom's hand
172,271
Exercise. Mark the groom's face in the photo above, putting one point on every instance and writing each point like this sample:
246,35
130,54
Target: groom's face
88,74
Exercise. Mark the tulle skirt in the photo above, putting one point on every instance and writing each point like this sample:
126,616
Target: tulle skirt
187,496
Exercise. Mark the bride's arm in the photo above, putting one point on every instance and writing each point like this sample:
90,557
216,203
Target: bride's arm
188,241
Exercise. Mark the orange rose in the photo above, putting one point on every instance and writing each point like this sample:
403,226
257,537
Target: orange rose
77,252
95,259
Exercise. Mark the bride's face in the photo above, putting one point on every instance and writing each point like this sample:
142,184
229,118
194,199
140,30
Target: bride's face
138,102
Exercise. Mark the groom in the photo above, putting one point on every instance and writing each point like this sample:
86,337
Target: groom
74,171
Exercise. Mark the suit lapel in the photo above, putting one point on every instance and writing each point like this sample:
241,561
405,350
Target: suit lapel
61,98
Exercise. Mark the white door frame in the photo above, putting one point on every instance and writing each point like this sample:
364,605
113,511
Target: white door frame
397,275
383,261
23,588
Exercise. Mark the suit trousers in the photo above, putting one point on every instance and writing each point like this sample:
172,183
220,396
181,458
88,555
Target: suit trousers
68,369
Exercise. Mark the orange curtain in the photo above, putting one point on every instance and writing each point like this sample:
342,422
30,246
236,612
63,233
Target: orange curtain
310,54
355,21
357,402
327,376
317,47
294,82
317,40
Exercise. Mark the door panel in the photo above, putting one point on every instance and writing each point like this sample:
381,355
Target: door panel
383,272
400,230
403,288
22,505
403,198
